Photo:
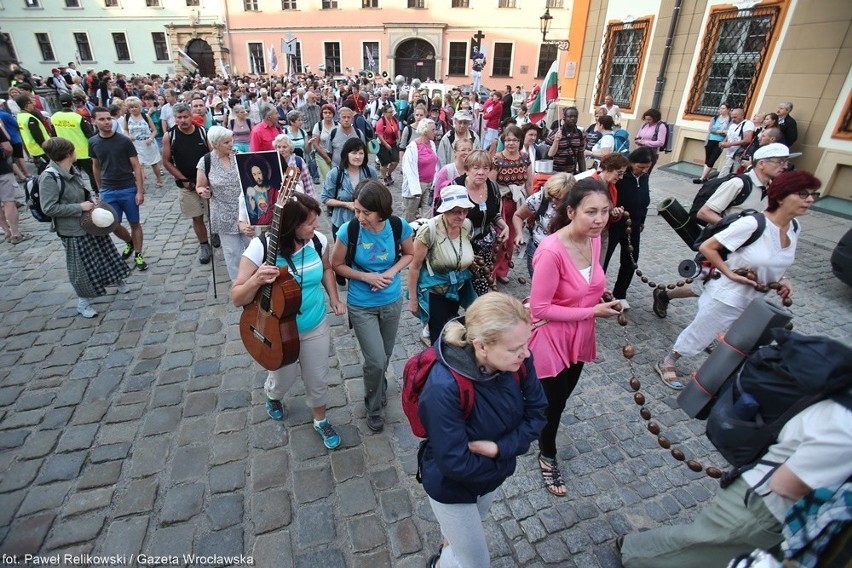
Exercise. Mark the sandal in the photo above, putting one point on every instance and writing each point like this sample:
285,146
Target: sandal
503,279
669,375
20,238
551,476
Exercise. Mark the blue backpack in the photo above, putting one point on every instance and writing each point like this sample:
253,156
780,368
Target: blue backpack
622,141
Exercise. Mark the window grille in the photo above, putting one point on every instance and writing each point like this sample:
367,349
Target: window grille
733,53
623,52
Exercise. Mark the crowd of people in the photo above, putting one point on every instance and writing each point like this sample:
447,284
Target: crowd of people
478,183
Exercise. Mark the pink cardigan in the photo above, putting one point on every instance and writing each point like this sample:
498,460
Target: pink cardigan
562,296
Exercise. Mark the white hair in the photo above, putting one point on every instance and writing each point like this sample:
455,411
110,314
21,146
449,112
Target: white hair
423,125
218,134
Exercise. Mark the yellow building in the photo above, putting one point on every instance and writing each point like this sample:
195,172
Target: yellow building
757,54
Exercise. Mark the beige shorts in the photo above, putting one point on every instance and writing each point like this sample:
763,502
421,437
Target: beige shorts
9,188
191,204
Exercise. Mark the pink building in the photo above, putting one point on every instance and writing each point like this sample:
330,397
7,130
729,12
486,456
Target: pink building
426,39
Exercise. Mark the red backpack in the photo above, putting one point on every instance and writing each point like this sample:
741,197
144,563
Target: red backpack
414,376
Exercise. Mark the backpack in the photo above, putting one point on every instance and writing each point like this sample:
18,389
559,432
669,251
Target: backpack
667,143
365,172
709,188
414,376
201,129
710,230
358,132
34,201
362,124
775,383
354,229
622,141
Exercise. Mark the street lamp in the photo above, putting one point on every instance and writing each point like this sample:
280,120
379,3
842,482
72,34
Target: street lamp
546,19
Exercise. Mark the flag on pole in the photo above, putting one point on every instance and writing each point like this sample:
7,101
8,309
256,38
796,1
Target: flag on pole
549,92
187,61
273,60
224,69
371,63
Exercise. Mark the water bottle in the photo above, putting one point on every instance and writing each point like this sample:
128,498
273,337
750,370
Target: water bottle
746,407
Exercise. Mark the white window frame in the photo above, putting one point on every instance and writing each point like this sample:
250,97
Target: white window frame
511,59
127,43
340,58
154,46
466,57
49,39
263,59
91,47
376,57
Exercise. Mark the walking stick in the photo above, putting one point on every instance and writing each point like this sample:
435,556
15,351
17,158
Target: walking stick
212,250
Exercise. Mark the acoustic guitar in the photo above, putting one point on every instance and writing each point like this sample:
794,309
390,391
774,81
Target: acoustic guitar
268,323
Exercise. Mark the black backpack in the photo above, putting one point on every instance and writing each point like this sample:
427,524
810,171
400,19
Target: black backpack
34,201
710,187
667,142
354,229
775,383
724,223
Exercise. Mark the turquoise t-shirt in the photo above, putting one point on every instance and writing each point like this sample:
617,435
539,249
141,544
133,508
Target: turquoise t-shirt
375,252
308,273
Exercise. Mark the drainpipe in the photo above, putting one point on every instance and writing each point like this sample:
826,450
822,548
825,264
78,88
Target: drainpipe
661,78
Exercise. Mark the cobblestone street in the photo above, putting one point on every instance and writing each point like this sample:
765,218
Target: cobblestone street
143,431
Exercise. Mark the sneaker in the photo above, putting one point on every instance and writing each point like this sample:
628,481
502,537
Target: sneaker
139,262
424,336
85,309
328,434
698,181
215,240
126,251
661,304
122,286
375,423
274,409
204,253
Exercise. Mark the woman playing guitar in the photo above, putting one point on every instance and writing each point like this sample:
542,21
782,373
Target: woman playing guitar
305,252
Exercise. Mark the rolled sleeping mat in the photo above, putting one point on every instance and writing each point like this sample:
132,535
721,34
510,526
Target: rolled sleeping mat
679,220
750,330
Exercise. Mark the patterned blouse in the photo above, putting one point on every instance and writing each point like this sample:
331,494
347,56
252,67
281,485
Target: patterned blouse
225,194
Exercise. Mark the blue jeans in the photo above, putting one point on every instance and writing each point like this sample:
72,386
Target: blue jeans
312,166
375,329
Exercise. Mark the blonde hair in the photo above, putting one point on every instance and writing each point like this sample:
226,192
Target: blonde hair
478,158
558,185
487,318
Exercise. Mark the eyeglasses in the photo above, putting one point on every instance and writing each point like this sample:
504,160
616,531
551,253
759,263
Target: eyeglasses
511,141
804,194
778,161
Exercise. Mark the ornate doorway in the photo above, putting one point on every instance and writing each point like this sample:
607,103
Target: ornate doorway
202,53
415,59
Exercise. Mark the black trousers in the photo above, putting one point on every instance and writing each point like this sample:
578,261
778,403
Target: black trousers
441,310
619,237
557,390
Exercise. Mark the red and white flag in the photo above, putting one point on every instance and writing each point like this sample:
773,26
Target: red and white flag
548,93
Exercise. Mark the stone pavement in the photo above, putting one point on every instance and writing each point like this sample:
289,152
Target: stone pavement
142,433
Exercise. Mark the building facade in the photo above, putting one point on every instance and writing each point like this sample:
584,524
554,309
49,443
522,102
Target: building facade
425,39
124,36
749,53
